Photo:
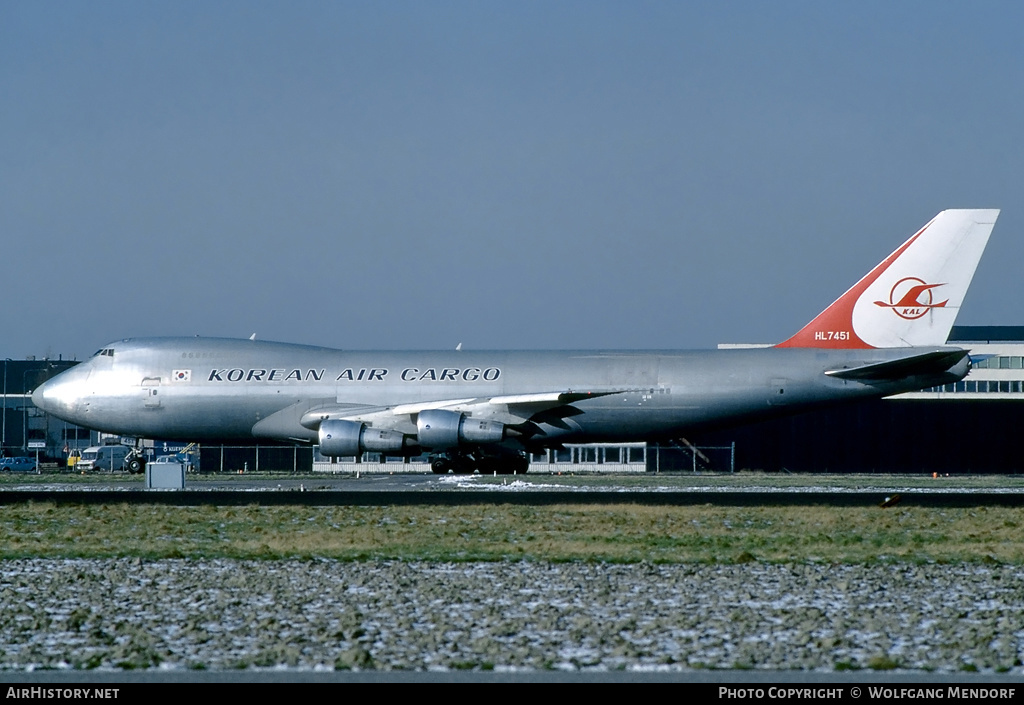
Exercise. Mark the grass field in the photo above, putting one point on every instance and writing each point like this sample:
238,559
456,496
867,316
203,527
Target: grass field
616,533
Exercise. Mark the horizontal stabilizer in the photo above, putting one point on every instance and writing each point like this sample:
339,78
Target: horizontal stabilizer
928,363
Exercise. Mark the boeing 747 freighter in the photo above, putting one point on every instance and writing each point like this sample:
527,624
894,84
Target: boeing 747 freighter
485,410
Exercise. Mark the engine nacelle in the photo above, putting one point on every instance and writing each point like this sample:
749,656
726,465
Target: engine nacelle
439,428
343,438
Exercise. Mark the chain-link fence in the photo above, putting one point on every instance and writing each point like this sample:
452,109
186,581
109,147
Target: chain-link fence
680,456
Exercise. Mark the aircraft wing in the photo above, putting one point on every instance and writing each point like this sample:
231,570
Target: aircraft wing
290,423
509,409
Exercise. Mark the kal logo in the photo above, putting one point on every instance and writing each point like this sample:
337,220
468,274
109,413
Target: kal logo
911,298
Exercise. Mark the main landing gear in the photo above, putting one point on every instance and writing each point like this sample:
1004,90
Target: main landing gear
467,463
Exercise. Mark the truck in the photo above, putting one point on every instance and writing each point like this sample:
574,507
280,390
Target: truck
103,458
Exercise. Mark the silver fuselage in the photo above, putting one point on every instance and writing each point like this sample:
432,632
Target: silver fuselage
210,389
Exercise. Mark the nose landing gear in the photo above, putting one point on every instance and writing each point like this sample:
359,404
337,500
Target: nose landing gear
135,462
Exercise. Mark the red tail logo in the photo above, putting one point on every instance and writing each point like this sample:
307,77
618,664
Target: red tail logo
911,298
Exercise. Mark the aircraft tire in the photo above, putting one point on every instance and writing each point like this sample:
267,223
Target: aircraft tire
135,466
440,466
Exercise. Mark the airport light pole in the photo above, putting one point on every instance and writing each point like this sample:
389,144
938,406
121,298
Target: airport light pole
24,412
3,438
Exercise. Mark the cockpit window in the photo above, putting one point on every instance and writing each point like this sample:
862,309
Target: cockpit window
106,352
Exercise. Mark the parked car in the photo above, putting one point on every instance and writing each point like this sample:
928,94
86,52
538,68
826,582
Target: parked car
17,464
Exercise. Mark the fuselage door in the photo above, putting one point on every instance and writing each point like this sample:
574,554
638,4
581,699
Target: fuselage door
151,392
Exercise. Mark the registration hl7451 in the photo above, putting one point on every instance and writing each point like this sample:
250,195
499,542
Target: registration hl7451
832,335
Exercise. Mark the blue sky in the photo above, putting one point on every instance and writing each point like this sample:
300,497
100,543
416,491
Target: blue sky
501,174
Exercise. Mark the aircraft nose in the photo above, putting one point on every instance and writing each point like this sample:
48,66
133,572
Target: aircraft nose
38,396
59,396
44,396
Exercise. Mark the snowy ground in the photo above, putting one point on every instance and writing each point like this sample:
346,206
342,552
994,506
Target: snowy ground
224,614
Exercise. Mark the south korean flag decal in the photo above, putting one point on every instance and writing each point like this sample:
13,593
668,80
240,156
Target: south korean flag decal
181,376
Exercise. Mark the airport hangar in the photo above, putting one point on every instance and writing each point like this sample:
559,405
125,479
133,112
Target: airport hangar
967,427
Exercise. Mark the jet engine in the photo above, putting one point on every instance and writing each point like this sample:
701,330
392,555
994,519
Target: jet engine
343,438
439,429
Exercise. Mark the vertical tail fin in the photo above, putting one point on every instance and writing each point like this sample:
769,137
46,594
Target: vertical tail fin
913,296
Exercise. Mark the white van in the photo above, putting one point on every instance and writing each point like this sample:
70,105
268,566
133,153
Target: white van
102,458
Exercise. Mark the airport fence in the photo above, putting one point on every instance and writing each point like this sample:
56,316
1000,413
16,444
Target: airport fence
680,456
